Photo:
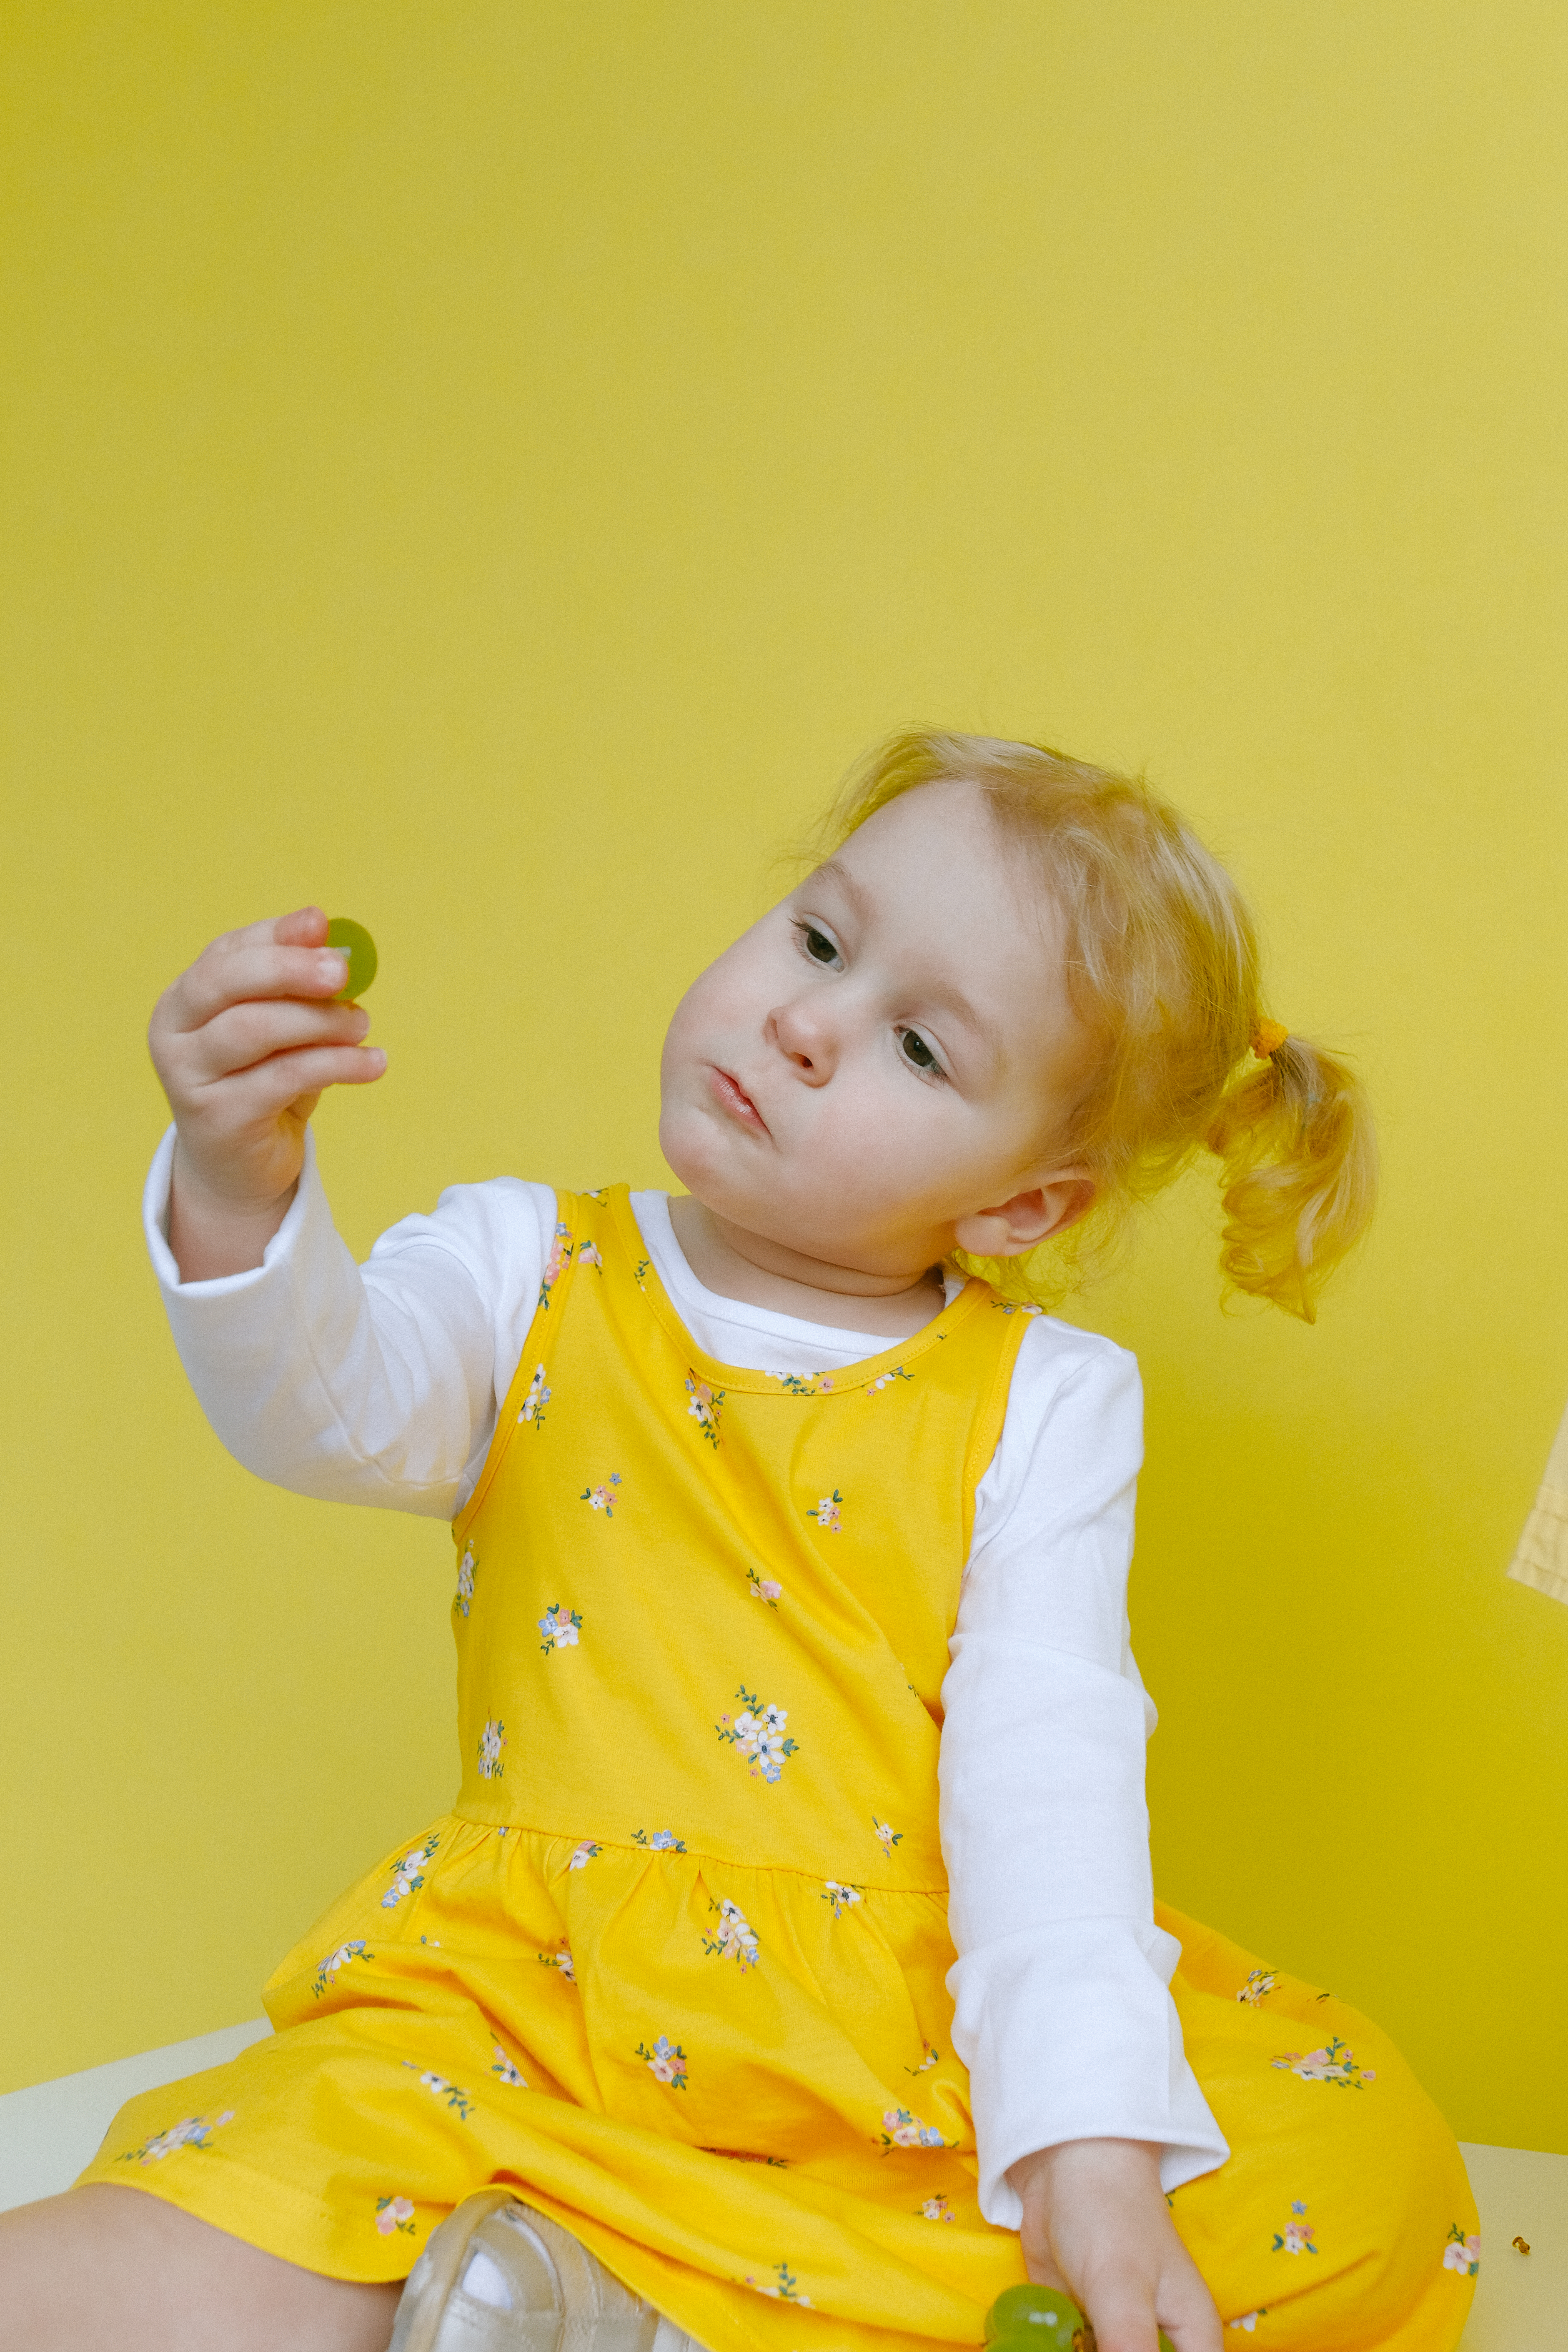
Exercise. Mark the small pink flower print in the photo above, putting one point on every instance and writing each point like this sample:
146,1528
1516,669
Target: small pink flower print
1334,2063
827,1513
602,1498
734,1940
886,1837
589,1256
559,1628
782,2286
463,1599
492,1739
902,2129
666,2062
1261,1981
394,2213
936,2209
764,1587
704,1407
506,2069
560,1250
759,1736
583,1853
538,1397
1462,2254
1296,2238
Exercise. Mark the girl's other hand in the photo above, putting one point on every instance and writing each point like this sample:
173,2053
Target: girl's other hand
244,1042
1096,2224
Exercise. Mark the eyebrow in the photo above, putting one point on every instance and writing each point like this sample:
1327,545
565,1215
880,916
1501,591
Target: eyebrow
943,993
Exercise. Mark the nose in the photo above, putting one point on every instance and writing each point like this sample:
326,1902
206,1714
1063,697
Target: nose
803,1035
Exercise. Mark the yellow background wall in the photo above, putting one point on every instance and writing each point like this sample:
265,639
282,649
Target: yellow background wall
490,468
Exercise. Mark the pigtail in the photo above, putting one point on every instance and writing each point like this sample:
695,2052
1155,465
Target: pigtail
1295,1136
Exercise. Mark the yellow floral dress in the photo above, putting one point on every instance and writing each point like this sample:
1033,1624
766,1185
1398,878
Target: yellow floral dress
674,1964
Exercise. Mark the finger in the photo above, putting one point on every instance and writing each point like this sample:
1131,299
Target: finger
243,1035
1122,2318
254,1096
225,976
306,927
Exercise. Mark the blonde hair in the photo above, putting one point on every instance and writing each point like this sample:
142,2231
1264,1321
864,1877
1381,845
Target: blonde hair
1162,972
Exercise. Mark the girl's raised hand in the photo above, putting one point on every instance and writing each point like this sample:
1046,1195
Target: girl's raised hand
1095,2224
244,1042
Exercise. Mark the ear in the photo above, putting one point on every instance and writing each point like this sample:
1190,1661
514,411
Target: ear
1031,1216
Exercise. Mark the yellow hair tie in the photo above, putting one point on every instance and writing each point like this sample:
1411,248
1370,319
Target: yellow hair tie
1267,1038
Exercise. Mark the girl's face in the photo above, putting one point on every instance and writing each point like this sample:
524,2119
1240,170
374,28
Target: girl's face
872,1076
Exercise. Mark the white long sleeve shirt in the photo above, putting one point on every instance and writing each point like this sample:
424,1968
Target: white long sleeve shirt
381,1384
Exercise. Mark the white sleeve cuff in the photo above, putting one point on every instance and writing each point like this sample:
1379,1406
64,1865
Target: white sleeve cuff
1069,2033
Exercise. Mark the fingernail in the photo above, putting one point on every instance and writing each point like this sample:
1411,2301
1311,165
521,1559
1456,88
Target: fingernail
332,967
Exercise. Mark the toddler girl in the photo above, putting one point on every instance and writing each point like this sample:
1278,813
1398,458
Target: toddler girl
786,1973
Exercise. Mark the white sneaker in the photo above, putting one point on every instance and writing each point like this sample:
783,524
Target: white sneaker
498,2276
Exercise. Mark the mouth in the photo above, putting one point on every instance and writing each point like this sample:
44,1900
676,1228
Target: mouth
732,1097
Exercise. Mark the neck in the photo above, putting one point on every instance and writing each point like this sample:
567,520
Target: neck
737,1263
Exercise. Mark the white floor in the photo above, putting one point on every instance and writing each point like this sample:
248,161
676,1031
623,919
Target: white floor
48,2133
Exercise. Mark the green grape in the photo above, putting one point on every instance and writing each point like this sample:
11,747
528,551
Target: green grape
1034,2316
1040,2318
354,942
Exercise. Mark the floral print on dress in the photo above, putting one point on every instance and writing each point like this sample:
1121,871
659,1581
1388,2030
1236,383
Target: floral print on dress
704,1407
1261,1981
1016,1307
506,2068
806,1384
782,2286
758,1733
327,1973
492,1739
666,2062
874,1388
886,1837
932,2055
394,2213
1462,2254
1296,2238
589,1256
559,1628
555,1265
1249,2319
583,1853
408,1875
661,1841
602,1498
902,2130
827,1513
191,2131
936,2209
840,1896
561,1960
766,1587
735,1939
463,1599
1334,2064
533,1406
439,2088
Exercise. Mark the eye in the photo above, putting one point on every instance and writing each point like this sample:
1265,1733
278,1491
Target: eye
817,944
913,1047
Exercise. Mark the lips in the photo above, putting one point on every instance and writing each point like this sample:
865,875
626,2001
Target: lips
732,1097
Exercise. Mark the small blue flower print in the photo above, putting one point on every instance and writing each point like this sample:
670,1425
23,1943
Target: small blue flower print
533,1406
735,1939
666,2062
559,1628
602,1498
758,1733
192,2131
327,1973
408,1875
902,2129
661,1841
840,1895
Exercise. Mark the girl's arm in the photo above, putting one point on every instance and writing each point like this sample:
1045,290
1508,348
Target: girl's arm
1062,2010
376,1384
